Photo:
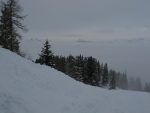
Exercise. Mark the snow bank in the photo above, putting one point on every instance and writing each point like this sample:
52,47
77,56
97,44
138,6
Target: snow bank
26,87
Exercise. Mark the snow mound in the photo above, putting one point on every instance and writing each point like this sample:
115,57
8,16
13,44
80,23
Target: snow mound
26,87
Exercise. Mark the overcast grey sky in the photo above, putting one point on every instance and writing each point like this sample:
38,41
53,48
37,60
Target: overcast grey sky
87,19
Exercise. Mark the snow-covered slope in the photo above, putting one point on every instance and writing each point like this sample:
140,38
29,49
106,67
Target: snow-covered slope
26,87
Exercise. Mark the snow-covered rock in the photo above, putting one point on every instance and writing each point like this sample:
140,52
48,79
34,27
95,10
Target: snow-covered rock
26,87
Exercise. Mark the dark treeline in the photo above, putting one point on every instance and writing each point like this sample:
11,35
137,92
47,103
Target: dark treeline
136,84
90,71
85,69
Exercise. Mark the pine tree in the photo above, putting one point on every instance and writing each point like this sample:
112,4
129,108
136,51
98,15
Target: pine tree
70,65
147,87
91,72
98,73
138,84
84,75
105,75
10,21
124,81
112,84
79,67
60,63
46,56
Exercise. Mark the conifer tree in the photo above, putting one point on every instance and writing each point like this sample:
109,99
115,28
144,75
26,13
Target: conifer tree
112,84
105,75
46,56
98,73
60,63
147,87
10,21
138,84
70,65
91,71
124,81
84,75
79,67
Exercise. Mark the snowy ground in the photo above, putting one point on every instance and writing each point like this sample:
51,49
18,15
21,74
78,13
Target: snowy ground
26,87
